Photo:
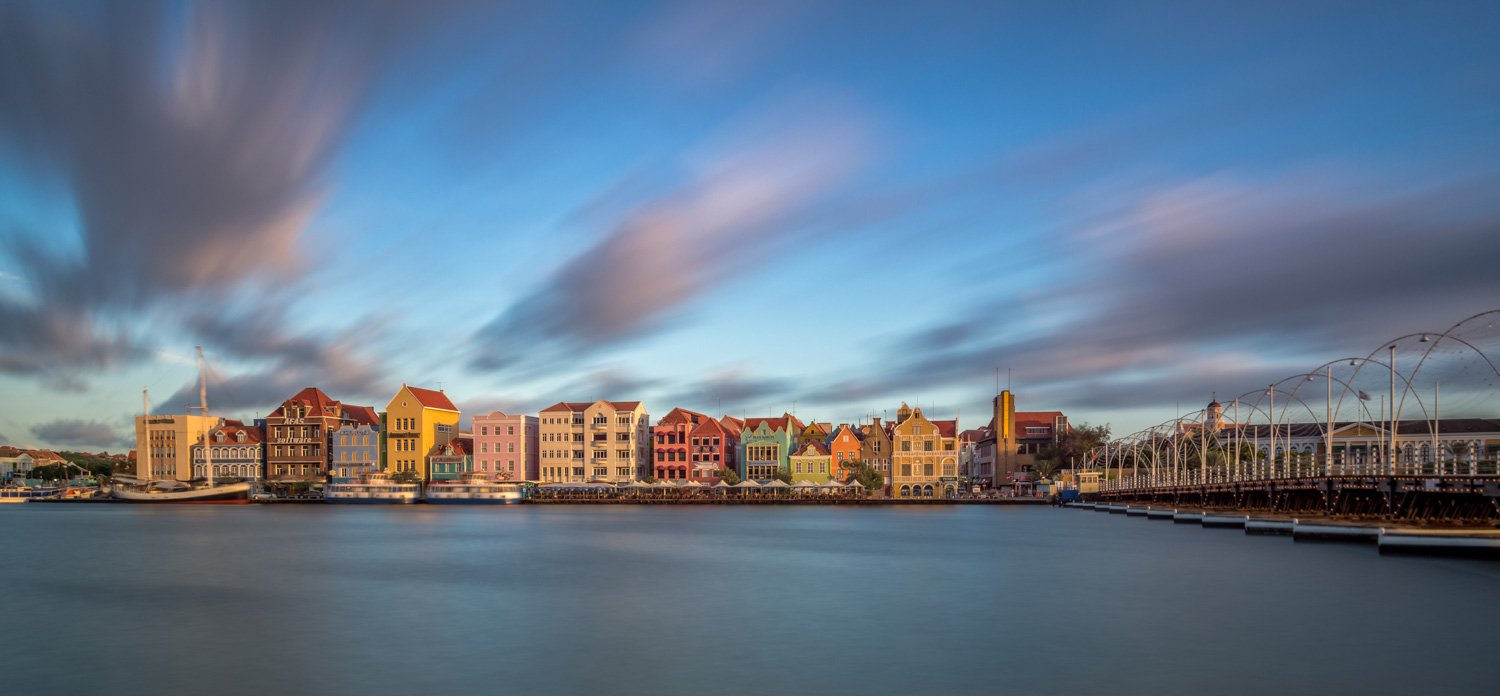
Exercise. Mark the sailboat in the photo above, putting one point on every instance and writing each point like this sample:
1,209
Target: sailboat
132,490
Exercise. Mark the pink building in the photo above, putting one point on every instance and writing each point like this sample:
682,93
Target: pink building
505,446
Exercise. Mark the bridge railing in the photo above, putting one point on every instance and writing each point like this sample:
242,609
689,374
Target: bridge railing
1293,468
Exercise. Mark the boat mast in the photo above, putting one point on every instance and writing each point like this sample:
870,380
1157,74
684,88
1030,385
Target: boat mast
146,429
208,464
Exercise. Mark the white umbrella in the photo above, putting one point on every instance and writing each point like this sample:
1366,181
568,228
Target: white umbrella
721,484
778,483
747,483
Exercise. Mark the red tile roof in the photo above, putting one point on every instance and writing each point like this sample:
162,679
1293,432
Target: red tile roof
681,416
785,421
712,427
576,406
432,399
362,415
462,447
946,428
814,445
318,403
732,424
253,435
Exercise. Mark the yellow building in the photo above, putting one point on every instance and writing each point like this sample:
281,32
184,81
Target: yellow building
600,441
416,421
166,455
925,461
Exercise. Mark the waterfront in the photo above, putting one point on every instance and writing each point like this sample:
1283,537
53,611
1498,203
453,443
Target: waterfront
662,599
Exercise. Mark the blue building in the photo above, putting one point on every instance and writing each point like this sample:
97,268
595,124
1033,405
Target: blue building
355,446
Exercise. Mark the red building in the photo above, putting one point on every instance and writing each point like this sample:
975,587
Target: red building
669,443
715,445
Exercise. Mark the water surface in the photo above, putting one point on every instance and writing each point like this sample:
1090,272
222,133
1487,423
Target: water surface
738,600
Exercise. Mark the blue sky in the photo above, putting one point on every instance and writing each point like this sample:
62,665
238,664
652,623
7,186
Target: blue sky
728,207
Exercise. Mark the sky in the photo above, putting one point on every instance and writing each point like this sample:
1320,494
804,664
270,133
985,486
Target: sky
739,208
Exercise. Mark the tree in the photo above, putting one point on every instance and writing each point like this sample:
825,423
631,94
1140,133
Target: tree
784,475
869,477
648,478
405,477
1071,448
728,476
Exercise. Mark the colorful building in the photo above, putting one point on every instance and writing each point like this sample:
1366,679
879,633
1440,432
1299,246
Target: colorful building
671,455
506,446
297,436
811,462
235,450
766,445
582,441
715,445
815,432
876,446
417,420
846,446
925,461
164,445
452,459
355,446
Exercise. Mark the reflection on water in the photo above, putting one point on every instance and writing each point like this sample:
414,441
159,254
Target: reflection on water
622,599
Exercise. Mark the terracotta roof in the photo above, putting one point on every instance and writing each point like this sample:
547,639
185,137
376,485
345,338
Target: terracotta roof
946,428
362,415
681,416
712,427
253,435
432,399
785,421
318,403
975,435
462,446
732,424
576,406
817,448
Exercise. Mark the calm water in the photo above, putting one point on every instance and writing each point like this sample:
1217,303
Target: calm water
623,599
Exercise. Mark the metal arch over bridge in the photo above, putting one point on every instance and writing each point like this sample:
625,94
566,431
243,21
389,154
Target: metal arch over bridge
1368,436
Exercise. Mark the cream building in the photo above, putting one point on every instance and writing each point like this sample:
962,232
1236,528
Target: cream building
599,441
925,461
163,445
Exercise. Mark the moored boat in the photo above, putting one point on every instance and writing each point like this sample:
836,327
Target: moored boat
21,494
132,491
373,489
476,490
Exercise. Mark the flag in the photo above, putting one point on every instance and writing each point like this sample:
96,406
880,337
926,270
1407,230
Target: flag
1363,396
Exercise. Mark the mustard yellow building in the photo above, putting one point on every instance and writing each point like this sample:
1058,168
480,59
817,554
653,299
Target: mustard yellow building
163,445
925,461
417,420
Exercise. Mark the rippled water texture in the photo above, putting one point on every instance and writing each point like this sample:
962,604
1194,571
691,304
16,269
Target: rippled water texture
622,599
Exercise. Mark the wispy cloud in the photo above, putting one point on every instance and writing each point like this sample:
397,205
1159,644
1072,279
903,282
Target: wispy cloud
79,433
194,144
738,207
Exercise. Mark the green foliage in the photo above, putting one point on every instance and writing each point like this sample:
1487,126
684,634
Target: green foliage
405,477
728,476
648,478
1071,449
867,476
784,475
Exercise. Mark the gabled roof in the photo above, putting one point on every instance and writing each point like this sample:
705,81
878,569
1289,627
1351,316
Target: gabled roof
818,449
313,398
681,416
462,447
973,434
733,425
708,427
361,415
783,422
431,398
857,433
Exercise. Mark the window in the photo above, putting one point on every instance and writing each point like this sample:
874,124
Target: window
510,430
510,447
906,445
927,445
927,469
484,430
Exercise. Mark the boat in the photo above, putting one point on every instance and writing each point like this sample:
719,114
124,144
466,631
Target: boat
132,490
373,489
21,494
475,489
